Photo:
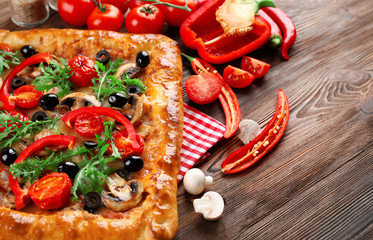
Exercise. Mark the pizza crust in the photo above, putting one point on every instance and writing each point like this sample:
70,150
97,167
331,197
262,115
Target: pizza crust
156,216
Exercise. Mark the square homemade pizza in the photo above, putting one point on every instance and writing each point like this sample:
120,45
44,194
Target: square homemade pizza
90,135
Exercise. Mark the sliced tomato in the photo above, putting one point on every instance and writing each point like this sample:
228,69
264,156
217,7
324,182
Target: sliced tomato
83,70
125,146
254,66
89,124
21,117
5,47
27,96
236,77
203,88
51,191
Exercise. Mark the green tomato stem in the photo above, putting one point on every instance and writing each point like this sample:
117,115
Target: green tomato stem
157,2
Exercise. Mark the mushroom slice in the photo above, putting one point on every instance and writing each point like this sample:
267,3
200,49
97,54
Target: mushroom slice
211,205
79,99
123,195
129,69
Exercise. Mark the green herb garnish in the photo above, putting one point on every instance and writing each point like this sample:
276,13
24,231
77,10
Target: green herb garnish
9,58
15,129
54,75
134,81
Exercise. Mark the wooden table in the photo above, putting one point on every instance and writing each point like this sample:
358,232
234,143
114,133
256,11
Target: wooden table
317,183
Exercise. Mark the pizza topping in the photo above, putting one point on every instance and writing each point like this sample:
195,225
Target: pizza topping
103,56
83,71
142,59
39,116
70,168
90,144
92,201
133,163
133,89
211,205
27,96
127,69
123,195
49,101
88,124
8,156
117,100
17,82
78,100
27,51
8,58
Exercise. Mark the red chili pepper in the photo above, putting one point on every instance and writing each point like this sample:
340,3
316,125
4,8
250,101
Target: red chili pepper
228,98
249,154
70,117
22,196
287,26
202,31
275,39
9,104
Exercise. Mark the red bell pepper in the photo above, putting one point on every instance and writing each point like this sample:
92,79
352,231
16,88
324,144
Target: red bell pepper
249,154
228,98
70,117
9,104
203,32
22,196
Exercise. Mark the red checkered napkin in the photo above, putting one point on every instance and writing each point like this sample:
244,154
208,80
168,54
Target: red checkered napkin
201,132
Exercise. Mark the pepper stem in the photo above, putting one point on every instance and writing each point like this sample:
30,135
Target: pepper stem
264,3
275,41
188,57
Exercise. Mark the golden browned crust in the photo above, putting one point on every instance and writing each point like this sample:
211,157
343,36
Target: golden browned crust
156,216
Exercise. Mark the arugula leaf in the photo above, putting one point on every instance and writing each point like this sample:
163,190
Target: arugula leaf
134,81
15,129
9,58
54,75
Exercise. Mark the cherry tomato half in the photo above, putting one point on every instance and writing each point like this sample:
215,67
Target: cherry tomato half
51,191
110,19
135,3
125,146
145,19
174,16
5,47
236,77
27,96
21,117
75,12
121,4
203,88
83,70
89,124
254,66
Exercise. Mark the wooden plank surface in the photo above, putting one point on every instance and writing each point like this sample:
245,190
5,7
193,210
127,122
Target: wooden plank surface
317,183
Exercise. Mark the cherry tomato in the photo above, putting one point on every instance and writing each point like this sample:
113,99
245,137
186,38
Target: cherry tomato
121,4
135,3
5,47
27,96
236,77
203,88
83,70
51,191
125,146
89,124
254,66
174,16
145,19
75,12
109,19
21,117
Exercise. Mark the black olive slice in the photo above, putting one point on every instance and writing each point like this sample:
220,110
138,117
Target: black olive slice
17,82
103,56
39,116
122,173
70,168
142,59
117,100
92,201
68,102
27,51
133,89
90,144
8,156
133,163
49,101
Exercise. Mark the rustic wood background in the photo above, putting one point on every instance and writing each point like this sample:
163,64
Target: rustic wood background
317,183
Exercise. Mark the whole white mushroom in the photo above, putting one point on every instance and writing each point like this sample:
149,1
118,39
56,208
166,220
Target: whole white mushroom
195,181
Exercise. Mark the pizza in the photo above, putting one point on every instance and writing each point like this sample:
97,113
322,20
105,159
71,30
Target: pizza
90,135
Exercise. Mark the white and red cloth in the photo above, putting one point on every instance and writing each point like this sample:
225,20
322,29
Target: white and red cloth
201,132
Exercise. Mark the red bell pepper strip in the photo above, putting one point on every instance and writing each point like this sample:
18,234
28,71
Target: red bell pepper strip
287,27
9,104
275,39
22,197
202,31
249,154
228,98
70,117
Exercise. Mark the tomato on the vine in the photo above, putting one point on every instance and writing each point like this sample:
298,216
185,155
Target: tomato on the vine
203,88
237,77
27,96
75,12
199,3
106,17
254,66
89,124
135,3
83,70
174,16
121,4
145,18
